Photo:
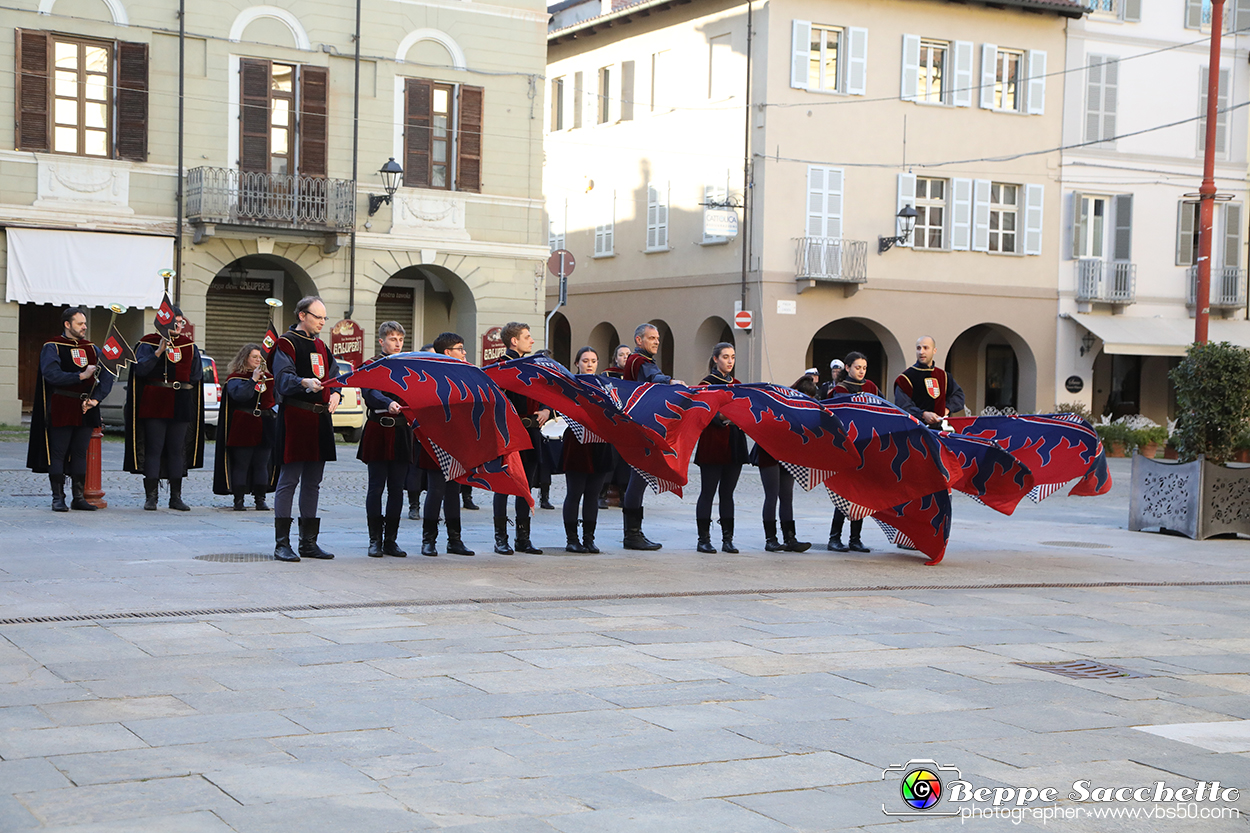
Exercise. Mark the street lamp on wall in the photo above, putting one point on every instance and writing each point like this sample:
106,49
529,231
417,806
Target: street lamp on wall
907,222
390,173
1087,342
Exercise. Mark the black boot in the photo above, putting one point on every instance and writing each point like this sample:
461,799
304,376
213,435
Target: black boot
771,544
58,492
466,501
78,488
258,498
856,544
793,544
239,505
390,531
455,546
414,506
309,529
501,537
570,536
375,535
544,498
634,539
523,542
282,538
588,537
152,493
175,495
835,535
727,536
705,535
429,536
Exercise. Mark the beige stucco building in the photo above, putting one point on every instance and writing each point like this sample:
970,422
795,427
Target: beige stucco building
855,110
452,91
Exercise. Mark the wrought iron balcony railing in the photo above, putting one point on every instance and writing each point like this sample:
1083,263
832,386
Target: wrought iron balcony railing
1106,281
832,259
1228,287
246,198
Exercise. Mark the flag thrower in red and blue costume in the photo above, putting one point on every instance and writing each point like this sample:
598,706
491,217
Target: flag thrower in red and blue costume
589,408
1057,448
453,404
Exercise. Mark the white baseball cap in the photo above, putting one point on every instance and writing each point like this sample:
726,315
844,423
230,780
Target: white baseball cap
836,364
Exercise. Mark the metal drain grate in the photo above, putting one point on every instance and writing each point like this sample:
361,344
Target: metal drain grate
1078,545
1084,669
236,557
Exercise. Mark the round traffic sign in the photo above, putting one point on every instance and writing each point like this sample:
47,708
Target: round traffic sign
742,320
561,263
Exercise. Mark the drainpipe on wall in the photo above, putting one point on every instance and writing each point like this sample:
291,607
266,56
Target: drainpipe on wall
351,267
178,196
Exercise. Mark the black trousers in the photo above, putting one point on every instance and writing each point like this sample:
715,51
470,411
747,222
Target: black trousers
389,475
501,506
778,487
714,480
839,516
71,442
249,467
441,495
583,487
634,491
164,448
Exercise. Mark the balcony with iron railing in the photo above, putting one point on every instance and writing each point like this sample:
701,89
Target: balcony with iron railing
228,197
1106,281
831,260
1228,287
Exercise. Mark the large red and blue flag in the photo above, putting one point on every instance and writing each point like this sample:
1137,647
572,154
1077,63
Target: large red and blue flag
503,476
987,472
450,402
791,426
1056,448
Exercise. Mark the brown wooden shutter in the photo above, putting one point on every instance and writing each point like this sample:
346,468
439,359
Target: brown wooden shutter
254,115
314,92
32,90
132,101
417,101
469,140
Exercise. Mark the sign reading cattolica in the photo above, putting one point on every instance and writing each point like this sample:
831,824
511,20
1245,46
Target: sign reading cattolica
927,788
720,222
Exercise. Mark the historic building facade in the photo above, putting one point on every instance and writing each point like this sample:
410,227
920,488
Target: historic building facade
89,167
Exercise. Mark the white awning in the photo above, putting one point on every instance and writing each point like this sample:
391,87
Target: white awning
1123,334
84,268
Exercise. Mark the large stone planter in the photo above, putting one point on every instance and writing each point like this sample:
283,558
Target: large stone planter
1197,499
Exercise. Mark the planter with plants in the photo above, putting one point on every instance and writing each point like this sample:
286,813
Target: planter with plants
1200,495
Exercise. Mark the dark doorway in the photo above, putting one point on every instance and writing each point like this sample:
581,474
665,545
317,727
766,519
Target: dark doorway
36,323
1001,374
560,340
1125,395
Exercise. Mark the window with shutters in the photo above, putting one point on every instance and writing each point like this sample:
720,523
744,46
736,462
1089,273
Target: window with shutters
605,228
1198,15
1008,77
822,58
557,103
442,135
283,118
1091,226
81,96
1221,118
824,201
1004,210
1102,79
1187,228
933,85
657,217
603,105
930,227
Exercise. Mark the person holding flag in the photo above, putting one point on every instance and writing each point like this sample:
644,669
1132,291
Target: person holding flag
68,390
165,408
246,431
386,449
441,496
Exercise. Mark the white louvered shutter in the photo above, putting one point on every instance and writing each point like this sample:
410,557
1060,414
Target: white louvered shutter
909,87
800,53
1232,235
989,74
857,61
1186,220
824,201
1037,82
981,215
1130,11
961,215
1034,204
964,53
1193,14
1122,244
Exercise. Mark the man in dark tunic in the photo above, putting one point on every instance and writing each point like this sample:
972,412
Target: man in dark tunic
925,390
301,365
386,449
66,410
165,412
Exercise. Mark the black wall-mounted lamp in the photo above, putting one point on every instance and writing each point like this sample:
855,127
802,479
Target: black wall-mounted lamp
907,218
237,274
1087,342
390,173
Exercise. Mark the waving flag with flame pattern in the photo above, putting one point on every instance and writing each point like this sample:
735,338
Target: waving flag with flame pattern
503,475
678,414
451,403
1057,448
897,459
590,408
987,472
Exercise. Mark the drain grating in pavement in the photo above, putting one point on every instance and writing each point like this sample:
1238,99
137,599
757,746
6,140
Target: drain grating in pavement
1084,669
236,557
1079,545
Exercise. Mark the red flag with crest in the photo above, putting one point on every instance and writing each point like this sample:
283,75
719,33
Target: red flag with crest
165,316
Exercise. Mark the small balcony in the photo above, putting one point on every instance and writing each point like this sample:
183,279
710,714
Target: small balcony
831,260
1106,281
227,197
1228,287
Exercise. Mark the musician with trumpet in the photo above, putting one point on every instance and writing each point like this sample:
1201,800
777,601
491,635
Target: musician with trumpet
246,431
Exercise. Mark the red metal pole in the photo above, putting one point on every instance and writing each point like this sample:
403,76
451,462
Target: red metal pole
1206,215
93,491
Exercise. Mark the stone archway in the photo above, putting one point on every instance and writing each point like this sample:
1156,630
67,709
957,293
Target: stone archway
441,300
711,332
604,339
560,340
878,344
995,368
235,311
665,359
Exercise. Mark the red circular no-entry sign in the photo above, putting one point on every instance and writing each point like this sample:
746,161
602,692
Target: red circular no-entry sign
742,320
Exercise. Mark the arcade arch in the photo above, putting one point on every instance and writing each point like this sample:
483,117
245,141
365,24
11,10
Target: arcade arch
560,339
604,339
995,367
235,311
665,358
837,338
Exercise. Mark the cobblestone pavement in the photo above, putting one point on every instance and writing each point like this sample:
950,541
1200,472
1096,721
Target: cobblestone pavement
659,691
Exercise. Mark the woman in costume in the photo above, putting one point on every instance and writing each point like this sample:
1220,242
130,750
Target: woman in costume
721,453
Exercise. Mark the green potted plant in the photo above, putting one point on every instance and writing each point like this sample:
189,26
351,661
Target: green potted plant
1198,495
1116,437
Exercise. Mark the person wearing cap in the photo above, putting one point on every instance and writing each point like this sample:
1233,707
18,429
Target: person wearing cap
165,412
853,380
